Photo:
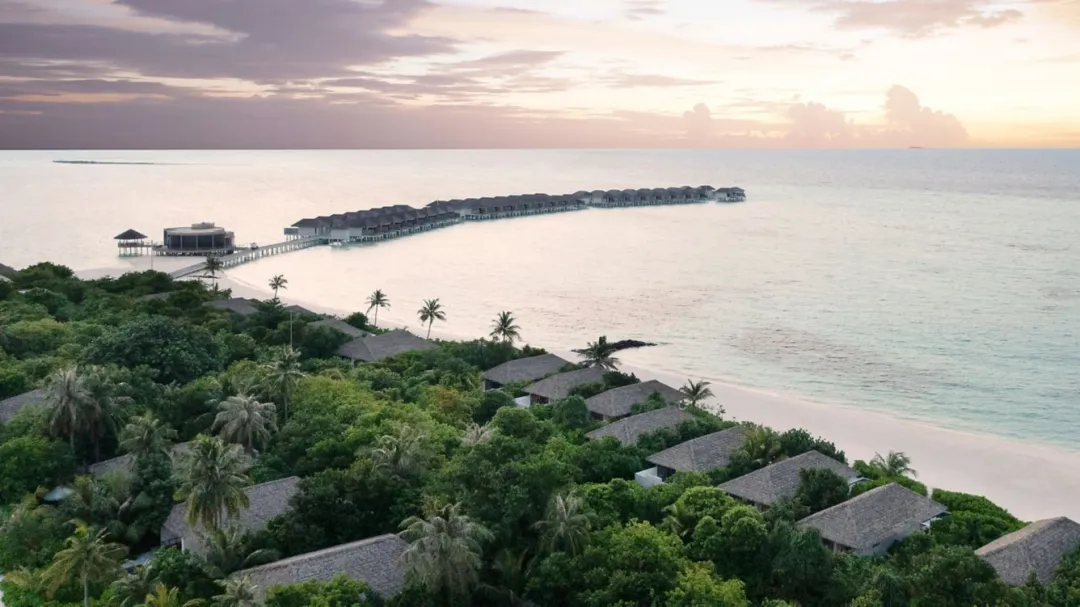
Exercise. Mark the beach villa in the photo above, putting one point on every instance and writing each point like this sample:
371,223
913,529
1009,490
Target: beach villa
240,306
10,407
559,386
265,501
629,429
766,486
618,402
374,348
126,463
701,454
528,369
1037,549
870,523
375,561
340,326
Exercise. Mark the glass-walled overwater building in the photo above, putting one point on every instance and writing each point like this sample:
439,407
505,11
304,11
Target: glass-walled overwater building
198,239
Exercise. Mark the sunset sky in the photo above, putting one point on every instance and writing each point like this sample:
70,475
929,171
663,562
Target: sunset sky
539,73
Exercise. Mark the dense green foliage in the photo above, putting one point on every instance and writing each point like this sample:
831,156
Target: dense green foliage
500,505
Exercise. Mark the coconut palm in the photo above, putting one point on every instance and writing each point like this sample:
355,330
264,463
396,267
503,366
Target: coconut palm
762,446
599,354
89,559
430,312
504,328
102,404
697,392
282,375
163,596
68,402
476,434
146,434
278,282
679,518
228,550
237,592
243,420
400,454
444,551
212,478
895,464
566,524
377,300
132,589
212,266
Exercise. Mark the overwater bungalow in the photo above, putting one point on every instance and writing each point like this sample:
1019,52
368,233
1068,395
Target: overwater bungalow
869,524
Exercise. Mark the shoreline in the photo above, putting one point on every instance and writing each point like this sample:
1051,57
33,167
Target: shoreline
1031,480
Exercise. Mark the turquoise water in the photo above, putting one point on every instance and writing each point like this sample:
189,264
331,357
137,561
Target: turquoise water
937,285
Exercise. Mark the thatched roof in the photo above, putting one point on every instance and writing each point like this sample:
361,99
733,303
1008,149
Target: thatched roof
266,501
340,326
375,561
868,522
617,402
702,454
7,271
236,305
10,407
1037,548
629,429
377,347
525,369
559,386
129,235
126,463
771,483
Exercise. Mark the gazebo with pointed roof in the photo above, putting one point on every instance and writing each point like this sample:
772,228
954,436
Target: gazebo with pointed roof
132,243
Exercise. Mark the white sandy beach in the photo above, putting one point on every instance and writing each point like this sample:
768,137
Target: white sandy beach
1032,481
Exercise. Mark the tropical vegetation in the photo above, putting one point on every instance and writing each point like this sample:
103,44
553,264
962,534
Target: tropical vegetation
499,505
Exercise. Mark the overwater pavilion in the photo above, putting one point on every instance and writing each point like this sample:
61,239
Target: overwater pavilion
132,243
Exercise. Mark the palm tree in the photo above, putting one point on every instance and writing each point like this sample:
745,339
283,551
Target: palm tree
400,454
132,589
88,558
242,419
599,354
679,519
214,265
68,399
212,479
237,592
102,404
227,550
444,551
377,300
146,434
504,328
697,392
282,375
430,312
163,596
762,446
566,524
895,464
476,434
278,282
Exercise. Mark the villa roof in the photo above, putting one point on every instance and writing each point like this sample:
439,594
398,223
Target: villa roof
629,429
129,235
617,402
340,326
880,515
1037,548
377,347
559,386
237,305
525,369
771,483
301,310
702,454
265,501
7,271
126,462
375,561
10,407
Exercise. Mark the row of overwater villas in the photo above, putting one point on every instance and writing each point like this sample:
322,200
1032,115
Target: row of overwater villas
401,220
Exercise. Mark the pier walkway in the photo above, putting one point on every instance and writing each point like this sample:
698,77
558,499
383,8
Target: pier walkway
235,259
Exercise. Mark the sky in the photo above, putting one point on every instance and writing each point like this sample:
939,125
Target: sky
161,74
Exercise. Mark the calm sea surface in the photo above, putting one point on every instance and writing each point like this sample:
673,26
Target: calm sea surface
937,285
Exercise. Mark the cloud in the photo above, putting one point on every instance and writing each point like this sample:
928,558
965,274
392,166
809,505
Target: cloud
910,123
636,10
652,80
814,125
912,18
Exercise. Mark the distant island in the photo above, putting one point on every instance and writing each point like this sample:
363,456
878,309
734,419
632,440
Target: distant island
98,162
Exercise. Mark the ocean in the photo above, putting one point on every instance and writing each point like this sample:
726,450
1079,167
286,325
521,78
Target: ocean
939,286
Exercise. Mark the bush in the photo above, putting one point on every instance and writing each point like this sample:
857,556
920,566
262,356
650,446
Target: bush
179,352
27,462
